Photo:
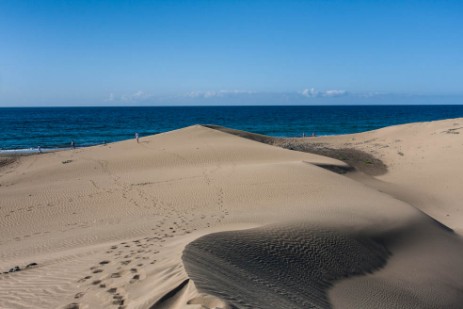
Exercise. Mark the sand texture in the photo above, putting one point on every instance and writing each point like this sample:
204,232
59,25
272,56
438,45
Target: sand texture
290,266
202,218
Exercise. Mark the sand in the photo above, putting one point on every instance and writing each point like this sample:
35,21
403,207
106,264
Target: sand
201,218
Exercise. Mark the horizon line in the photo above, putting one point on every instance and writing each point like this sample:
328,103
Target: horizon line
238,105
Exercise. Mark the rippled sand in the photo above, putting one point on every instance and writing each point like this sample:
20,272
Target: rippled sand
290,266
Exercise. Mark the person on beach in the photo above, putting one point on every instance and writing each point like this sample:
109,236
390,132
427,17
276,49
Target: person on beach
73,145
137,137
39,149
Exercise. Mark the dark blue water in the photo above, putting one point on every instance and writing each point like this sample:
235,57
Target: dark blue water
24,128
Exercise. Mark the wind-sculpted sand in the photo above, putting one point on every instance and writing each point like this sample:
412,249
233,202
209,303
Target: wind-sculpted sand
106,226
289,266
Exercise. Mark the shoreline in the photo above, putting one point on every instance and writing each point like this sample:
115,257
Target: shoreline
32,151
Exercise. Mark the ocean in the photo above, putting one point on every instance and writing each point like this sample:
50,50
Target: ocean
26,129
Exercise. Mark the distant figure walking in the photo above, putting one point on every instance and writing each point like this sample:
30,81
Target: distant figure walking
137,137
39,149
73,145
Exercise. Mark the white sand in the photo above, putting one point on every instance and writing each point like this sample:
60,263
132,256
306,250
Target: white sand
136,206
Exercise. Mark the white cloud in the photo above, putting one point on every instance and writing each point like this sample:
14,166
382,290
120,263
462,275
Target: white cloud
220,96
314,93
334,93
215,94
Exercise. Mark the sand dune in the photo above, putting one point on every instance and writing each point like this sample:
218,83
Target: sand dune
419,163
107,226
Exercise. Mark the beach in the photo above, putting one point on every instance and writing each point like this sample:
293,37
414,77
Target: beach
210,217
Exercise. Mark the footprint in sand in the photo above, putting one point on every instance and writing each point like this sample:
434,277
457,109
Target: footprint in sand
84,278
118,302
135,278
115,275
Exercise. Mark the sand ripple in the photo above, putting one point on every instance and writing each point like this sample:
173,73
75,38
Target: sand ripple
279,267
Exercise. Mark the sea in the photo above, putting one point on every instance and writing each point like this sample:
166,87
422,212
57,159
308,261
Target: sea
36,129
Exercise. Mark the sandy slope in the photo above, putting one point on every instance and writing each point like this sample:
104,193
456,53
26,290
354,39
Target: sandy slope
107,225
424,164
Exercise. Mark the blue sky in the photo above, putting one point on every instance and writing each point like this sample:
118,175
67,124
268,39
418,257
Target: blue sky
230,52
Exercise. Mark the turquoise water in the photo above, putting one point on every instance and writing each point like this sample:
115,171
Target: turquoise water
51,128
